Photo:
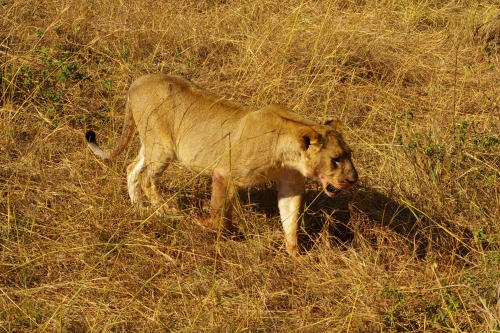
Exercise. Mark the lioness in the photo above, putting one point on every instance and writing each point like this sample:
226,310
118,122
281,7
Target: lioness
237,145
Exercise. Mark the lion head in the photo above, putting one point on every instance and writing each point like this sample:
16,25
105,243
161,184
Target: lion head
327,157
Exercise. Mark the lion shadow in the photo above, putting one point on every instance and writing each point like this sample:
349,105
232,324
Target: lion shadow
354,213
358,211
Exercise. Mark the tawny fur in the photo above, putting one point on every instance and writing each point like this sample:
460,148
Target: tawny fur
238,146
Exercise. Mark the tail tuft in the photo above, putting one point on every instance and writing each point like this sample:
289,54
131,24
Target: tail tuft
90,136
92,143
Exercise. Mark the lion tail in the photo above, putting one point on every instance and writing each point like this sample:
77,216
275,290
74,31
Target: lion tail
125,138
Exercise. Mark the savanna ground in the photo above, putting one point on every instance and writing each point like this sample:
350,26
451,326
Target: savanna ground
414,247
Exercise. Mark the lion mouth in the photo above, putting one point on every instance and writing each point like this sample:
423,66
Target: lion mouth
331,190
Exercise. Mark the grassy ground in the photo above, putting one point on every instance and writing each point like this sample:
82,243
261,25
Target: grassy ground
414,247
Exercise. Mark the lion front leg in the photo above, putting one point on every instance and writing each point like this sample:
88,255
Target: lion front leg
221,203
289,202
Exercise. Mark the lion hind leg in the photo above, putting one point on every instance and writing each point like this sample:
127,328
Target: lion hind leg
133,177
150,182
221,203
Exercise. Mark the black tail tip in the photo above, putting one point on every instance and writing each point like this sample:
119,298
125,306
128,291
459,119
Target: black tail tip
90,137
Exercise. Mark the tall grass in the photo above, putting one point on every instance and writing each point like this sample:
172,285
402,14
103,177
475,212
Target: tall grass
414,247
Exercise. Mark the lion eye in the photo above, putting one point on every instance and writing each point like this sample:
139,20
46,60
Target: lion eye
336,161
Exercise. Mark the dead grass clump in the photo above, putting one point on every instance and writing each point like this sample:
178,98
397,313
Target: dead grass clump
415,247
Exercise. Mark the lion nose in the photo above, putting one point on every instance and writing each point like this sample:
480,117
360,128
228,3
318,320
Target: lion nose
352,177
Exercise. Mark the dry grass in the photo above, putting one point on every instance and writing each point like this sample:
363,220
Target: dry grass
415,247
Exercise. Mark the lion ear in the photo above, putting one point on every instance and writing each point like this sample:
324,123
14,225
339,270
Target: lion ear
334,123
310,139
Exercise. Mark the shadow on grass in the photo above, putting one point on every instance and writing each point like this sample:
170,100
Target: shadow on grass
354,213
358,211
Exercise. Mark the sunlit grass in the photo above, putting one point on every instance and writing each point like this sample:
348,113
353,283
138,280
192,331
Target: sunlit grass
414,247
